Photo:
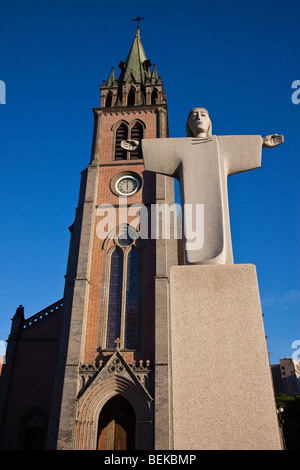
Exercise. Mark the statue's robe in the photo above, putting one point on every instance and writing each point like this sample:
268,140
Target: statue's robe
202,166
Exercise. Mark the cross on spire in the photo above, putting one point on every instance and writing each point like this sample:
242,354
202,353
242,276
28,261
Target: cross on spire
138,19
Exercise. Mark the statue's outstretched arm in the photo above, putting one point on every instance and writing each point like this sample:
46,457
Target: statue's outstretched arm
272,140
131,145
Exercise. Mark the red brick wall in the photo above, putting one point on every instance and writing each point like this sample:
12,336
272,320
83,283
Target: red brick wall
32,376
105,196
109,119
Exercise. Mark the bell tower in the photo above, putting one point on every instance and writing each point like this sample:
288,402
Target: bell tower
111,388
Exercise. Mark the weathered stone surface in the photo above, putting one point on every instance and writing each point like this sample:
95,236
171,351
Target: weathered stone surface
221,381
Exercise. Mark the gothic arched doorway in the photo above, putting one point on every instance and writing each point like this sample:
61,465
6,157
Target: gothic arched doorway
116,428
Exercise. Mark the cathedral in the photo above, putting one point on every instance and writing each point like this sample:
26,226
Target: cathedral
92,370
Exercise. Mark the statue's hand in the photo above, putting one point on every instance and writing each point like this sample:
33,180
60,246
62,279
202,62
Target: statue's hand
272,140
130,145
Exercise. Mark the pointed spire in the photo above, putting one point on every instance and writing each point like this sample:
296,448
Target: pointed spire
136,62
154,76
136,71
111,78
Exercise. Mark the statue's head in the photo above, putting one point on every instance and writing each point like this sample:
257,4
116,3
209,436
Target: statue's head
198,123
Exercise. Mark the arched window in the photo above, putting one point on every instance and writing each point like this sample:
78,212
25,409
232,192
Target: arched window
136,134
131,308
114,302
121,134
108,100
123,131
131,97
123,295
154,96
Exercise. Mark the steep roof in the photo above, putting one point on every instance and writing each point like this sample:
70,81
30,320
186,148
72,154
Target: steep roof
111,78
136,63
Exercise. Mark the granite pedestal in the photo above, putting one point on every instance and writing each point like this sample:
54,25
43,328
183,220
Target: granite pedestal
222,388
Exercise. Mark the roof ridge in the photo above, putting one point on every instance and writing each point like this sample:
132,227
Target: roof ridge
57,306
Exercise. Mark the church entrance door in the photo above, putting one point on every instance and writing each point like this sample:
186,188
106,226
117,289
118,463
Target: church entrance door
116,428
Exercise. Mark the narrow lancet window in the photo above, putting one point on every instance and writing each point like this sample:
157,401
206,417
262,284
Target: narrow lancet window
154,97
131,309
121,134
136,134
114,302
131,98
108,101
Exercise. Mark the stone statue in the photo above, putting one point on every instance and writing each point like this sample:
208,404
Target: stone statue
202,162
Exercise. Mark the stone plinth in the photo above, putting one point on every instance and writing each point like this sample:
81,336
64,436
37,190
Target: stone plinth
222,388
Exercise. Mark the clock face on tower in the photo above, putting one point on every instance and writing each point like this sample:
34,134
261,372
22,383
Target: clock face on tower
126,184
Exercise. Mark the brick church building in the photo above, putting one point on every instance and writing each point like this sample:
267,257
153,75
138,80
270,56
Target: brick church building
92,371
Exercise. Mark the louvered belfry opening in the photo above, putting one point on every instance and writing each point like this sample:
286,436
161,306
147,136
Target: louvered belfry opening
121,134
136,134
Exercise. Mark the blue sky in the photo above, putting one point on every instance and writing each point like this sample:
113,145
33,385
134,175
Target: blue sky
237,59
